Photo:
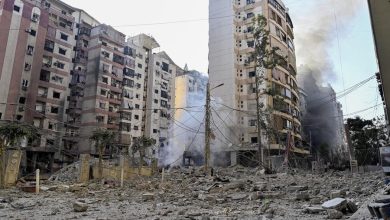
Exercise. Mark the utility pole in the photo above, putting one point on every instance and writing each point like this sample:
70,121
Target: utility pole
207,131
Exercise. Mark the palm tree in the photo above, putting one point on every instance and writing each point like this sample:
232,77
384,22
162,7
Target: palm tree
140,145
11,134
102,138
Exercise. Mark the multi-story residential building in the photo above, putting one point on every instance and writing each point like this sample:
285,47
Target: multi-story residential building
380,16
160,95
68,74
71,138
231,44
36,61
190,91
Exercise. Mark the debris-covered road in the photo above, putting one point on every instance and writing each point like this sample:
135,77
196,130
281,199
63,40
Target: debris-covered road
233,193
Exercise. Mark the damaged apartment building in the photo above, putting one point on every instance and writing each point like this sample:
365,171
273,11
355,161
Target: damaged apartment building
68,75
231,46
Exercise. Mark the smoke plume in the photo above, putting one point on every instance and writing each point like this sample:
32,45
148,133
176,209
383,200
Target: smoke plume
318,30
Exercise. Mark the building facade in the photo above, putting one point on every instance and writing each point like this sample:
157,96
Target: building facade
67,74
231,44
381,29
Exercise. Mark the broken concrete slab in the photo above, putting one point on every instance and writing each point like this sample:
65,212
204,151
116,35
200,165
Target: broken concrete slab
337,203
314,209
147,196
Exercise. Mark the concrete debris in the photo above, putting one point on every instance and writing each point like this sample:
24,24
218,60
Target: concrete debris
147,196
314,210
302,195
80,206
232,193
337,203
334,214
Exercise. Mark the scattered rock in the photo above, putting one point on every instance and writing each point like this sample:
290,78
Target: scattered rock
297,188
80,206
314,210
238,196
147,196
302,196
334,214
337,203
351,206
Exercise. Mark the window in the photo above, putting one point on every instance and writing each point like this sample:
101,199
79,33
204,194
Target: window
22,100
136,128
59,65
49,45
64,37
155,131
251,43
56,95
252,74
137,106
252,122
25,82
156,101
165,67
54,110
164,103
118,59
16,8
57,79
102,105
136,117
103,92
35,17
249,15
61,51
27,67
156,91
139,66
253,140
33,32
30,50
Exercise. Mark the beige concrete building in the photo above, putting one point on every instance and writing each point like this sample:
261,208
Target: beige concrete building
231,44
380,17
68,74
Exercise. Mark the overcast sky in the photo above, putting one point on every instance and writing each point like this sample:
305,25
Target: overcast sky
187,42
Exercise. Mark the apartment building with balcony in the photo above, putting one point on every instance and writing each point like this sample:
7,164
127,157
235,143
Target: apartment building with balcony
36,59
380,16
160,95
231,43
68,74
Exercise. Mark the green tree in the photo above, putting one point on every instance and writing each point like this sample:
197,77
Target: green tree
266,58
141,144
367,136
102,139
11,135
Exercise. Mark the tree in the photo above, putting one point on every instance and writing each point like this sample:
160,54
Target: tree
11,134
102,139
140,145
265,57
367,136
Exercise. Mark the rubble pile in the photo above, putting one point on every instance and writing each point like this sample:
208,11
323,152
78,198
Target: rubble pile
67,174
232,193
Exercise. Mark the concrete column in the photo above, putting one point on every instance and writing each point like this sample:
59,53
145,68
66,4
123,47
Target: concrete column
12,168
84,168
